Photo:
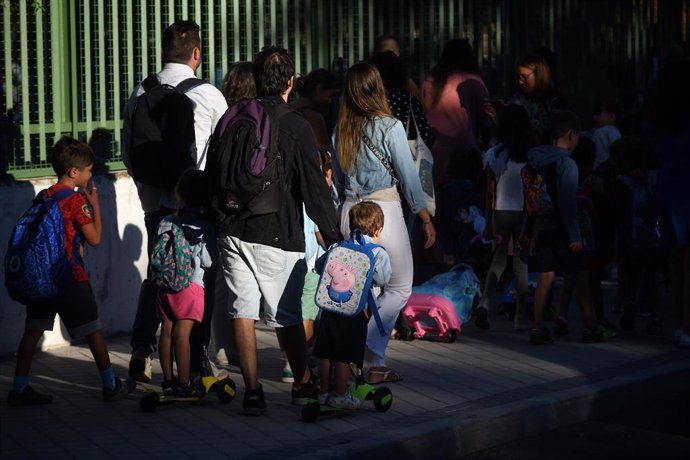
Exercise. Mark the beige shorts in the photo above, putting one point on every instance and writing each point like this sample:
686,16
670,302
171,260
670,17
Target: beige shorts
261,275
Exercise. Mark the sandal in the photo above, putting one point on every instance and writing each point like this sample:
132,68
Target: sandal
383,376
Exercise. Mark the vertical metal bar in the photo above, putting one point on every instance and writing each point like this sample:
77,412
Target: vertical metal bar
40,69
360,36
350,33
297,53
260,20
144,40
129,49
58,70
7,40
308,33
171,12
286,37
236,29
103,91
209,54
117,100
248,24
224,52
158,33
274,24
24,63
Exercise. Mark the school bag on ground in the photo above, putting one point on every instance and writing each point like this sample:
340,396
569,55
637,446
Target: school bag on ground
171,258
163,142
438,307
643,236
245,167
36,263
346,280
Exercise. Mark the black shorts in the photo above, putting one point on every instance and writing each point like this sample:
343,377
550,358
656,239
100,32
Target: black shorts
553,254
341,338
76,306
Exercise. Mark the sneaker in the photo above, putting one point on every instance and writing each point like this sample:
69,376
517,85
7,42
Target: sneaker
286,376
168,387
28,397
653,326
560,326
344,401
600,334
140,365
113,394
254,403
481,318
540,336
187,390
323,398
302,394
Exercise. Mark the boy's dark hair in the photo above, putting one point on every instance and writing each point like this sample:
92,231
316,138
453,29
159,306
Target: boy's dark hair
179,40
381,39
366,216
68,153
563,121
608,105
191,188
273,68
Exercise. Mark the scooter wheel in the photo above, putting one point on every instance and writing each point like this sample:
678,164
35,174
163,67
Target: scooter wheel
452,337
383,398
225,390
149,402
310,412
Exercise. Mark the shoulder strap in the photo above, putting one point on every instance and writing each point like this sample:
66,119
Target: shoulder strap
380,156
62,194
189,84
375,313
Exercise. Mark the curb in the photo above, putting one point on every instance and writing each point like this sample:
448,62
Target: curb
447,434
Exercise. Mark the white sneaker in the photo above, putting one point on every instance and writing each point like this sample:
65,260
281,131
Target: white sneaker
286,375
345,401
323,398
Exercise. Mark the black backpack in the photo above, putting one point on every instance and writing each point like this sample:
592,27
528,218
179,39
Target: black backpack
163,142
244,167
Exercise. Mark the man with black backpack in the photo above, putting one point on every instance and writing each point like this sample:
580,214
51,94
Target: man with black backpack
167,123
263,167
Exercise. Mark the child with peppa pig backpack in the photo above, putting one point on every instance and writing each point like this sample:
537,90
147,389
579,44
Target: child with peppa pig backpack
345,283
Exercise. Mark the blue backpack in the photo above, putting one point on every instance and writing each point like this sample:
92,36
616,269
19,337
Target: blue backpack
460,285
171,257
36,263
345,284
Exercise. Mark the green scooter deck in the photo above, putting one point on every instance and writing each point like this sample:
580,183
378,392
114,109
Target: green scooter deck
381,397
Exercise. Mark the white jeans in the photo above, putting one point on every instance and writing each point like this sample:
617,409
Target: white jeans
396,242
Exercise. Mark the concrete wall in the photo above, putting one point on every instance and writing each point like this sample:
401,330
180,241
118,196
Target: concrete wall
115,268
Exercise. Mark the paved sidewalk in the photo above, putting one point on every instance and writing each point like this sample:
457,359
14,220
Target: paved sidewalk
487,388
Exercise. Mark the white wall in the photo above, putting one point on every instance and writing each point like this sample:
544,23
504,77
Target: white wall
115,268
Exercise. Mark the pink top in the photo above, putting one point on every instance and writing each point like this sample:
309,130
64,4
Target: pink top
455,118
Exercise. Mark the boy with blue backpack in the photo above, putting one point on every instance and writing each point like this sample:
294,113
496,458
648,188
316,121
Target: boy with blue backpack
45,271
345,282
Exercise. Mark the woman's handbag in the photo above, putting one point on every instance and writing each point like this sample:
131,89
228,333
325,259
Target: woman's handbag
424,162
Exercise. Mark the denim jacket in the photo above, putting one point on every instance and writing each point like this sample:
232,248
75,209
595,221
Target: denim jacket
369,174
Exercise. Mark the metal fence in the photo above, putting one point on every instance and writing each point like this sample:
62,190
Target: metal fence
68,66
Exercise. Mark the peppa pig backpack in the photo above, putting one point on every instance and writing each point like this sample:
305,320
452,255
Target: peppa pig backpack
346,280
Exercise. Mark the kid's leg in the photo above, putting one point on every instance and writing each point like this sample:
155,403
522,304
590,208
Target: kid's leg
21,392
324,375
541,296
182,328
165,349
584,299
341,397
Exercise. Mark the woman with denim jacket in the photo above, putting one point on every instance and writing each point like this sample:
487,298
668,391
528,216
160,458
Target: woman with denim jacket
365,120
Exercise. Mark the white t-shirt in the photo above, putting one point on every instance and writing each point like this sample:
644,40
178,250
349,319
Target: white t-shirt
509,188
508,180
603,138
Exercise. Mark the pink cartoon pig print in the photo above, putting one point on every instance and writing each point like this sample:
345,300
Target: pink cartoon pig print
342,281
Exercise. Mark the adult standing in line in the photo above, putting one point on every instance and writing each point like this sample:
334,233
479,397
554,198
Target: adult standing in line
372,156
453,96
263,255
391,43
181,43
